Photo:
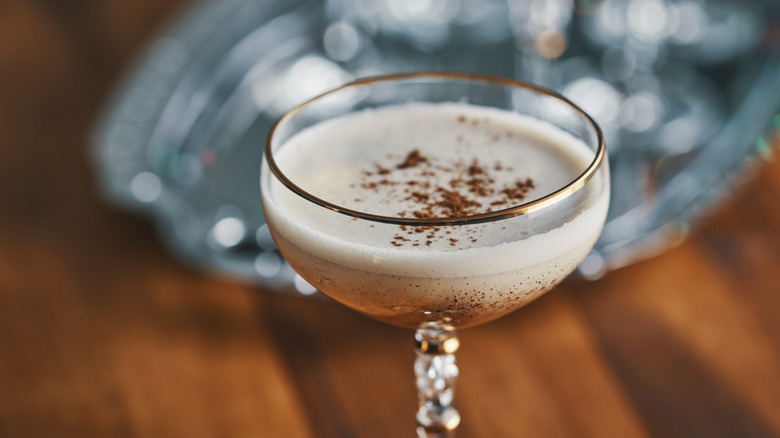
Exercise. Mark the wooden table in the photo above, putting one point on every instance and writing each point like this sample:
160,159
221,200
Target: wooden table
104,334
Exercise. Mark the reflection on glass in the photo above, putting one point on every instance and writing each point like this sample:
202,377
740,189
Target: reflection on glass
455,201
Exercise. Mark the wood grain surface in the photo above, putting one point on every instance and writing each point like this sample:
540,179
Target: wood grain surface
104,334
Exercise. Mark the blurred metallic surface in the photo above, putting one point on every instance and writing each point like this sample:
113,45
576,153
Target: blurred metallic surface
687,92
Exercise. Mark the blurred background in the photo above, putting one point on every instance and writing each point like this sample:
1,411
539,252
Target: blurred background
679,88
141,295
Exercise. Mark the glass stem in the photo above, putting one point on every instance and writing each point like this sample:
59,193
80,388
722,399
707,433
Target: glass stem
436,374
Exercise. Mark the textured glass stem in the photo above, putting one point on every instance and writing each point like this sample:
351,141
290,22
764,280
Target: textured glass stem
436,374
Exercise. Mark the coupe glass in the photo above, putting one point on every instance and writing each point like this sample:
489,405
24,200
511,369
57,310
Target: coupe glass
439,268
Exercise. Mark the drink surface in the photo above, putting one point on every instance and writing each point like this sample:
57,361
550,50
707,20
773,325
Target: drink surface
424,161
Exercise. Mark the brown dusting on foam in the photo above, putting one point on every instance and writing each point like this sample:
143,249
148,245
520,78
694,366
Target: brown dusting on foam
519,190
469,190
454,204
382,171
413,159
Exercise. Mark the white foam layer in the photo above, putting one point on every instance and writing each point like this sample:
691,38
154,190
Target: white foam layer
531,148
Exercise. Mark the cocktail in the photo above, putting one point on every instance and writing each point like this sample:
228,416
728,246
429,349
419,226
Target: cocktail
435,201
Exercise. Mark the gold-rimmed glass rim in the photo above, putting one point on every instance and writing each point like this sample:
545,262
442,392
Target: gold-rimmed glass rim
506,213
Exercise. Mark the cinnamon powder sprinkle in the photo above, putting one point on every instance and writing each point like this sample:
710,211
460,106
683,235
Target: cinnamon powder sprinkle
381,170
471,190
412,160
